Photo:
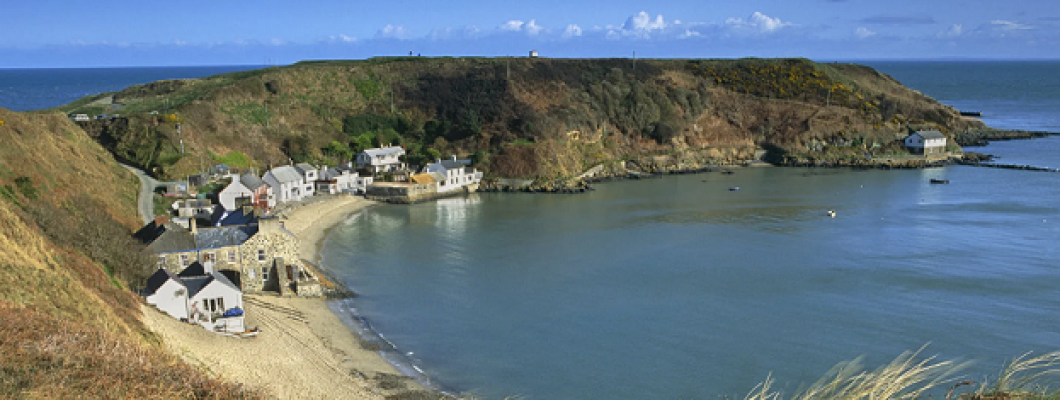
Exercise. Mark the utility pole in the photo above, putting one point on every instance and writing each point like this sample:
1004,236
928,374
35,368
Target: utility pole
634,63
508,68
180,136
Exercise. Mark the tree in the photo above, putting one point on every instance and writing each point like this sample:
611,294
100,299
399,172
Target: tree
338,151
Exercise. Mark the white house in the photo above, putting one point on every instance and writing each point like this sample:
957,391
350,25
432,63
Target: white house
926,142
386,159
205,298
337,180
288,184
310,174
455,175
235,190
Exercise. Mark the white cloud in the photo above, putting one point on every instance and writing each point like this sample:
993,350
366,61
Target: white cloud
277,42
513,25
178,42
393,32
863,32
757,22
643,21
572,31
531,27
1009,25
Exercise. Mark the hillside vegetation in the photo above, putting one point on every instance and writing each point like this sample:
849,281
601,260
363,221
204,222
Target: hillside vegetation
517,117
69,317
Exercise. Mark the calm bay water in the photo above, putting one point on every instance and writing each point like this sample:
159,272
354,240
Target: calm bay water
680,288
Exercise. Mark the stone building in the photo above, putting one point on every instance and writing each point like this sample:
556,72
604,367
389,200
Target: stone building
261,257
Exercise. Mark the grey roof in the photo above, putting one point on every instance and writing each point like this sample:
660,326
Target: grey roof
304,167
195,269
209,238
286,174
219,277
195,284
450,164
332,173
174,238
931,134
384,151
251,181
158,279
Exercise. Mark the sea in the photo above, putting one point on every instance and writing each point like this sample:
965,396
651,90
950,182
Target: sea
680,288
26,89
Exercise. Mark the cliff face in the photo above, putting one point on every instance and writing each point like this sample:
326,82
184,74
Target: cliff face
520,117
68,265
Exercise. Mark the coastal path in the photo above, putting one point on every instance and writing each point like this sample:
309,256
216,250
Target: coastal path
145,204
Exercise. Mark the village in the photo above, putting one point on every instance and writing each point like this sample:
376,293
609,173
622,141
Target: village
213,247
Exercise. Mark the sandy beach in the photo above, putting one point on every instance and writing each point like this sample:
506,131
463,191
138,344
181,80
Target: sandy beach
304,350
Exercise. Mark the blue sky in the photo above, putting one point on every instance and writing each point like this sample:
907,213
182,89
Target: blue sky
54,33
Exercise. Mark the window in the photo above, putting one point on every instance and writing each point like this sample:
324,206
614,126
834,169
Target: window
261,254
184,260
265,274
231,256
209,258
161,260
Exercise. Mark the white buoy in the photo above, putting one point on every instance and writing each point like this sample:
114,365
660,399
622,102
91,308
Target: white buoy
831,213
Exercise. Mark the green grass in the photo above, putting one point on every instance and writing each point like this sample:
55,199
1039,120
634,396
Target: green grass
233,159
253,113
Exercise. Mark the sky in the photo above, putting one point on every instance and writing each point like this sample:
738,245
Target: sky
62,33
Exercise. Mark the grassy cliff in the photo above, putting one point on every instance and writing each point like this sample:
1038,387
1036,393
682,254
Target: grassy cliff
518,117
68,270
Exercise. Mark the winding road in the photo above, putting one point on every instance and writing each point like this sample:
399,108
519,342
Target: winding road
148,184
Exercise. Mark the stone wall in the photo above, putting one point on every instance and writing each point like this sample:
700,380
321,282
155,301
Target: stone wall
276,242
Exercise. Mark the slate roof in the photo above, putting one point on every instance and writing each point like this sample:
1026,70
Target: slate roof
209,238
251,181
286,174
195,284
931,134
237,217
195,269
158,279
450,164
304,167
174,238
438,177
386,151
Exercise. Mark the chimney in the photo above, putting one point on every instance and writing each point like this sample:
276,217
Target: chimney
454,157
161,220
194,229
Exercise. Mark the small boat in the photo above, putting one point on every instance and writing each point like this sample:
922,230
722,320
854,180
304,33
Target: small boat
727,172
831,213
734,188
940,181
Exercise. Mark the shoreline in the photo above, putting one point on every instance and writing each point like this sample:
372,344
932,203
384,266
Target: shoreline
305,349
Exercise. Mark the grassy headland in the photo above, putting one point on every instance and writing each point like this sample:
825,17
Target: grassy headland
519,117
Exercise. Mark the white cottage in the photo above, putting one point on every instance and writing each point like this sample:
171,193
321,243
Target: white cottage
233,192
386,159
205,298
310,175
926,142
288,184
454,175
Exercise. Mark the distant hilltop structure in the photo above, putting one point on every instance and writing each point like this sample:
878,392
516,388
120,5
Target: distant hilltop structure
533,53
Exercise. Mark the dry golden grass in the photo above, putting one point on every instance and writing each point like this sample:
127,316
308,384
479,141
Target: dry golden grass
906,377
47,358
